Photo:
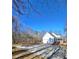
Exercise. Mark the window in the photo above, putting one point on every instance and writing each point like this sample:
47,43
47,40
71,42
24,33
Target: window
51,40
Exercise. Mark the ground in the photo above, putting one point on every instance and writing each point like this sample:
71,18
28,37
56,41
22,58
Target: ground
41,51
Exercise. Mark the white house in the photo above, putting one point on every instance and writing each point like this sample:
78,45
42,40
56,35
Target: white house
48,38
51,37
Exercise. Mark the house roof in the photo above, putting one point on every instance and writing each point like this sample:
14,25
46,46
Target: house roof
52,34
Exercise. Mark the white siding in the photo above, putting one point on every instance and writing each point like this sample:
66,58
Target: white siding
46,37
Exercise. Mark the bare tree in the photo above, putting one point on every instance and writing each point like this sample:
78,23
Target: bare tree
26,6
15,28
23,7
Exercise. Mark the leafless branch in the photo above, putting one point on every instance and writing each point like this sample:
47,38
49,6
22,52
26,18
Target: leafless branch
21,7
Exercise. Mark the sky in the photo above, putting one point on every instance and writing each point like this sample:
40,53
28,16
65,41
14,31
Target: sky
53,16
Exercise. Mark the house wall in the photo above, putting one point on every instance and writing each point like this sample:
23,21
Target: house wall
46,37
